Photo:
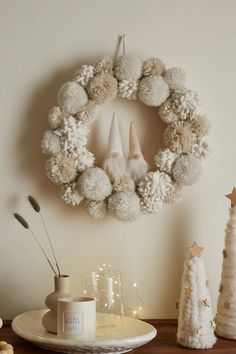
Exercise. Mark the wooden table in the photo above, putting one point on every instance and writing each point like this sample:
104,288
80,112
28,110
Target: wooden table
164,343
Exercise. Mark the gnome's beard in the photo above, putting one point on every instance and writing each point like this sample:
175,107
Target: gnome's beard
115,166
137,167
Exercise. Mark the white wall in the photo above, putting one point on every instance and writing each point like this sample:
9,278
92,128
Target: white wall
42,42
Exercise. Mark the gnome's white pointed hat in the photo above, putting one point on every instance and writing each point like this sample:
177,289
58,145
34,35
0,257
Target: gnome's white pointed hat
134,146
115,143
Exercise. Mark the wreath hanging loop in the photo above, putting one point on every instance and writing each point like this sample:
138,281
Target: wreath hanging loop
124,187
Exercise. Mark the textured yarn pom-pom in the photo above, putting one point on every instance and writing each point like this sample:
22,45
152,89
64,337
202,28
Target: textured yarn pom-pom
128,67
125,206
71,97
153,90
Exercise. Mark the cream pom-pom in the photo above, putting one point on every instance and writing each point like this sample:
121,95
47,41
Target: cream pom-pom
102,88
186,170
175,78
71,97
83,74
50,143
61,168
200,126
185,103
125,184
104,65
96,209
174,195
125,206
153,66
153,90
179,137
71,194
56,116
164,160
200,149
94,184
166,113
85,159
128,67
128,89
88,112
153,188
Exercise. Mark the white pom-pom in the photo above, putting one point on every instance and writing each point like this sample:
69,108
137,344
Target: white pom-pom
175,78
128,67
71,194
94,184
71,97
164,160
84,74
56,116
125,206
153,90
186,170
50,143
97,210
128,89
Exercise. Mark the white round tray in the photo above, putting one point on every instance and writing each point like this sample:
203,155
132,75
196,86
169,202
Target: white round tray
114,334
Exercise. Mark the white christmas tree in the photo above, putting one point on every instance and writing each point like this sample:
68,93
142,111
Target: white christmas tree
195,322
226,309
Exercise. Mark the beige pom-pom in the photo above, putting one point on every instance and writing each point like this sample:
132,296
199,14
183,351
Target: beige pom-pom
124,206
61,168
94,184
102,88
128,67
174,195
186,170
153,90
50,143
125,184
153,66
166,113
71,97
200,126
104,65
179,137
96,209
175,78
88,113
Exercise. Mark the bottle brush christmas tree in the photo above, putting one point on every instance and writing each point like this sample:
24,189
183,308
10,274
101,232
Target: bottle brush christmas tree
195,322
226,309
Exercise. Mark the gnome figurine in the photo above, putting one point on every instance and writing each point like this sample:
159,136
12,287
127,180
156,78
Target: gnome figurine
137,166
115,163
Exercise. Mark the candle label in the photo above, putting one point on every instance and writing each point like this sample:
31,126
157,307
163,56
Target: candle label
73,323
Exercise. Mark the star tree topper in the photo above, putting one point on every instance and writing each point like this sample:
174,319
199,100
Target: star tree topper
232,196
195,250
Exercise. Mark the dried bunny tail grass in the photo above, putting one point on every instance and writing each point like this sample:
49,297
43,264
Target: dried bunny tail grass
35,205
21,220
153,66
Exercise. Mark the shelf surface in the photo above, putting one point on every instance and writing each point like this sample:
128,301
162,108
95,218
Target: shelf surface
164,343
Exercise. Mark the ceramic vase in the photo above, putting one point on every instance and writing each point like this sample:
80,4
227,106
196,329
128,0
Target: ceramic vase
61,290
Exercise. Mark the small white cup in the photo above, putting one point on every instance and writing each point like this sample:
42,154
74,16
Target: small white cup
76,318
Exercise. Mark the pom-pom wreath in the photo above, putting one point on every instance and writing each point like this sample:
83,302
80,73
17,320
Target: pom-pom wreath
174,194
153,90
128,67
56,116
50,143
179,137
166,114
153,189
175,78
94,184
128,89
102,88
61,168
97,210
88,113
153,66
200,126
72,165
104,65
186,170
200,149
125,184
164,160
124,206
71,97
71,194
84,74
